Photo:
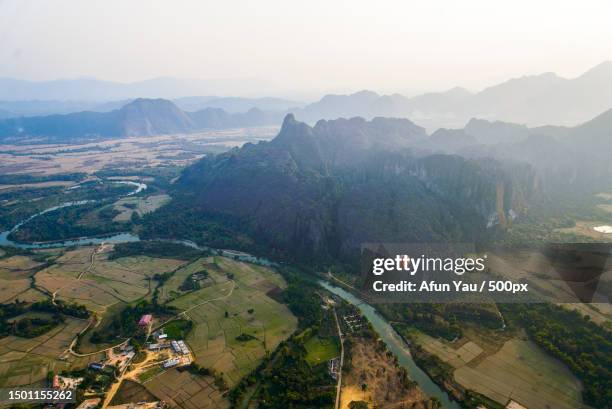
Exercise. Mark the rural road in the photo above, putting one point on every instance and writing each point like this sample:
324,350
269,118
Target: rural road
339,387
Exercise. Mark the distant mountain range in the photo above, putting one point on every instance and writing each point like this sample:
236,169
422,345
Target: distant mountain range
531,100
91,89
13,109
534,100
141,117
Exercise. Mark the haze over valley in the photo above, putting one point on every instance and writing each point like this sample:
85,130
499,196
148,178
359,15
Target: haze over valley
208,204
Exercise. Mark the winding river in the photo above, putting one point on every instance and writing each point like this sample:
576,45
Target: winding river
395,344
114,238
393,341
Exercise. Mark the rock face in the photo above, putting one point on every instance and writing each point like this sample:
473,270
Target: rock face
322,191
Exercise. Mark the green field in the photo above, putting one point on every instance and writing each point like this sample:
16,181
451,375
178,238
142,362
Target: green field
321,349
220,313
177,329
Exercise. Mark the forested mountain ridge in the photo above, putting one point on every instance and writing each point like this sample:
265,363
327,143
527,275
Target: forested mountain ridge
324,190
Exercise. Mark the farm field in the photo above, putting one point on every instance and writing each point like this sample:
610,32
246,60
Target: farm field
171,288
130,391
27,361
185,390
177,150
15,279
517,369
88,277
230,308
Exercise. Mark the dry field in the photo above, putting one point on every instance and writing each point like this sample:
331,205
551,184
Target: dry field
184,390
502,368
525,373
213,338
374,368
103,282
15,273
125,152
142,206
27,361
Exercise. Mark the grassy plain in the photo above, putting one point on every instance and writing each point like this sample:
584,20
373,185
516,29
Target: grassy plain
321,350
141,205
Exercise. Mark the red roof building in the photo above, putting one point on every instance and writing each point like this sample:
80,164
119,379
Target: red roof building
145,320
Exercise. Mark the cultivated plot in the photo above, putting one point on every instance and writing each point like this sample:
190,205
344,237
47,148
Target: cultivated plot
231,308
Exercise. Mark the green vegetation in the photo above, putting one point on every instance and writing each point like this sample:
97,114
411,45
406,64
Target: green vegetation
33,327
18,179
158,249
192,282
320,350
441,320
292,382
245,337
177,221
61,307
178,329
582,345
68,222
126,324
150,373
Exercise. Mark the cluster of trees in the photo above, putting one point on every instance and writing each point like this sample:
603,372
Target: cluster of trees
154,248
191,283
31,327
292,382
126,324
68,222
429,318
442,320
584,346
177,220
301,298
61,307
178,329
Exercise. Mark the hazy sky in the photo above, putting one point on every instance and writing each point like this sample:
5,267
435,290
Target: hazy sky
311,45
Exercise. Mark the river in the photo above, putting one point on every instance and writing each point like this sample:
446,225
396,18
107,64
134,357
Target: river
80,241
395,344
